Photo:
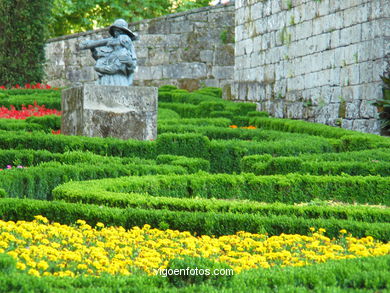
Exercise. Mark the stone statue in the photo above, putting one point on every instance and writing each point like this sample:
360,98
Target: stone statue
115,57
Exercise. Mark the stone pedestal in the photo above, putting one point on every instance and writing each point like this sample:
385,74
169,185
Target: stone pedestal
110,111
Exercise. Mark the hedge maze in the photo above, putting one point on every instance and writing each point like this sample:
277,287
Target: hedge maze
216,168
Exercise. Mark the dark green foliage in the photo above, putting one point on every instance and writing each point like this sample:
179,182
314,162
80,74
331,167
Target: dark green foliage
184,110
224,114
7,264
191,98
205,108
306,127
293,188
241,121
257,114
23,34
211,91
225,155
209,223
371,273
61,143
191,145
203,272
192,165
96,193
16,125
368,274
50,100
48,122
363,163
164,96
166,88
38,182
220,122
167,114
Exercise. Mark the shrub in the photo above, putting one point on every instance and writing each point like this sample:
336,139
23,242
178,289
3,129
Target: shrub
7,264
200,223
293,188
192,165
204,268
165,114
48,122
23,36
211,91
188,144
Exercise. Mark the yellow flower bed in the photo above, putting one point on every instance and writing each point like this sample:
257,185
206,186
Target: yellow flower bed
44,249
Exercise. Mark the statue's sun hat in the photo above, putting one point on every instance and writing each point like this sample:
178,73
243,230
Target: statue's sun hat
122,25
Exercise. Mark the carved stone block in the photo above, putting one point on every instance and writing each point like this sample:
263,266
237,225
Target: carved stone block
110,111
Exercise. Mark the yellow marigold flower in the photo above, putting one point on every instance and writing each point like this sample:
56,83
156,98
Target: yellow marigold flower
34,272
82,266
81,222
321,230
41,219
100,225
20,266
343,231
43,265
312,229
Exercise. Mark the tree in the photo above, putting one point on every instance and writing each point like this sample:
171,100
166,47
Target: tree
71,16
22,40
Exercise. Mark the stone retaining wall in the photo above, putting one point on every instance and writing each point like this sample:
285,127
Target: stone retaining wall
318,60
189,49
315,60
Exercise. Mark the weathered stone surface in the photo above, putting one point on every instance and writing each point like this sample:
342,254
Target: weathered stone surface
110,111
324,57
181,48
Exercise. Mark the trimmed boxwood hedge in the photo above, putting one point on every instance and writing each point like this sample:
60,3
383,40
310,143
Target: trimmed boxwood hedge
201,223
292,188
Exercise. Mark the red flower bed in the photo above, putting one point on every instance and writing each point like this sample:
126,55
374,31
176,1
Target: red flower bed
31,110
36,86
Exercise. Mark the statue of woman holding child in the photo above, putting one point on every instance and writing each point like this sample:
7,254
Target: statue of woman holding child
115,57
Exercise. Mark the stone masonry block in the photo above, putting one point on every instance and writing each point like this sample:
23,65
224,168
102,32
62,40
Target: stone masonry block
110,111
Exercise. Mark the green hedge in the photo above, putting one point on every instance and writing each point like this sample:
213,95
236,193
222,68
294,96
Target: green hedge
211,91
352,140
200,223
48,121
62,143
30,158
218,122
184,110
192,165
197,105
49,100
166,114
19,125
189,144
95,193
293,188
262,165
222,131
191,98
369,274
353,275
380,154
226,155
38,182
55,93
